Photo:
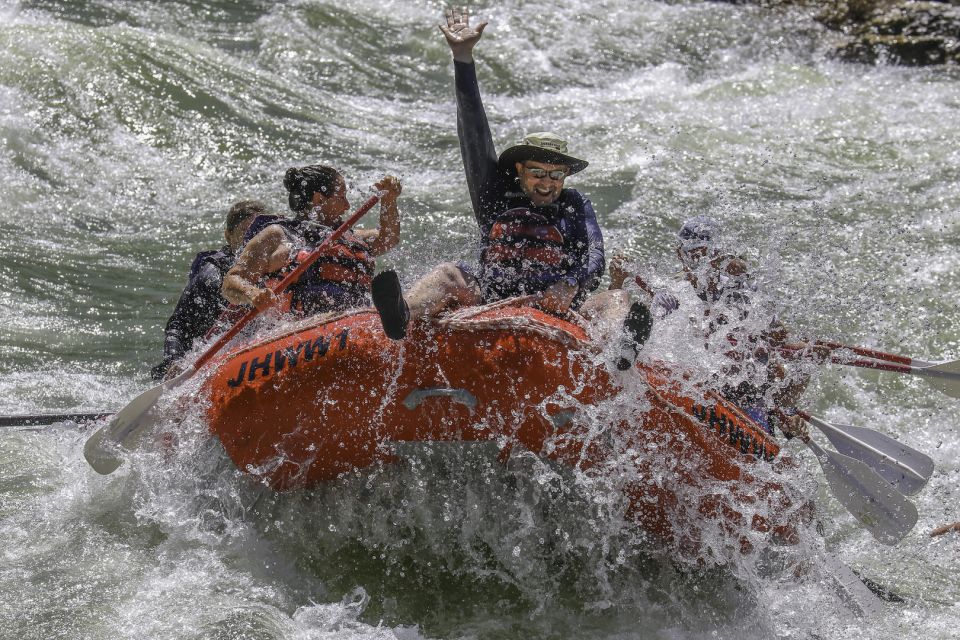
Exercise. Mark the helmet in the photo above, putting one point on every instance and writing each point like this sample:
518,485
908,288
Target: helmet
697,233
700,229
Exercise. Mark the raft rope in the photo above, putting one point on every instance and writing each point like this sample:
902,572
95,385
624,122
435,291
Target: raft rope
321,318
466,319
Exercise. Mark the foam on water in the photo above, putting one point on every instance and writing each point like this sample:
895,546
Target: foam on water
127,129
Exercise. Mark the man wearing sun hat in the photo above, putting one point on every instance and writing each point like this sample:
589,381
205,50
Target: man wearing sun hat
537,237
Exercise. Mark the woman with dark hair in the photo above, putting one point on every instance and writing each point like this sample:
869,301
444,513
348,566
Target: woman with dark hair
340,279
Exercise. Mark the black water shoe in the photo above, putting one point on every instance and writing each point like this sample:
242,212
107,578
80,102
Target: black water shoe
636,330
393,309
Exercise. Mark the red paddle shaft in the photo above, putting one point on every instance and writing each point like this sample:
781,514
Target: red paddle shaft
797,354
870,353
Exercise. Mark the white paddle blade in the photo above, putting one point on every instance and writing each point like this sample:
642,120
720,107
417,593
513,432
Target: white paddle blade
944,377
874,502
102,454
864,602
103,450
128,427
904,467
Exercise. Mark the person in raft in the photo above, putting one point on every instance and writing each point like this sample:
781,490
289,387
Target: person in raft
341,278
200,303
724,284
537,237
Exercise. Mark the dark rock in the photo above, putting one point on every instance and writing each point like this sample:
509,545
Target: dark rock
895,31
905,50
888,31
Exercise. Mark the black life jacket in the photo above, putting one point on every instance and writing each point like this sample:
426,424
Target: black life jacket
524,251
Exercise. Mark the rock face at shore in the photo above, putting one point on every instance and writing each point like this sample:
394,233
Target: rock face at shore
907,32
895,31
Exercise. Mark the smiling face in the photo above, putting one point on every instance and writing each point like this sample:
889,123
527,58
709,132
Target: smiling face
541,181
328,209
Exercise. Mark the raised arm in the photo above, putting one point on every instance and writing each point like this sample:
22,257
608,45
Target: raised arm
387,235
476,141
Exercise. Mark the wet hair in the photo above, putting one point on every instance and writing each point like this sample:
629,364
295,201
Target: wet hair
241,211
303,182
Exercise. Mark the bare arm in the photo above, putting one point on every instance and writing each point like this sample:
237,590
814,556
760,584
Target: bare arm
619,274
267,252
939,531
387,236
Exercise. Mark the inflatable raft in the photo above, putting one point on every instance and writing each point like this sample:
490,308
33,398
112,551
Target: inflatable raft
333,396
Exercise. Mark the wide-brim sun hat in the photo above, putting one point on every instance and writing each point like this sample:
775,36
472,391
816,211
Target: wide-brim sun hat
542,146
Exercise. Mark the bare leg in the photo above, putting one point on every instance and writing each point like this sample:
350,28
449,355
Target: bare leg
606,307
613,318
446,287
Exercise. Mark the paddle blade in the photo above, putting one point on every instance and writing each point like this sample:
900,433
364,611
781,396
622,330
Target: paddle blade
103,450
944,377
874,502
904,467
852,589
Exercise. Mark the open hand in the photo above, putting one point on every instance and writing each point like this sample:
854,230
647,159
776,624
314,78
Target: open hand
618,270
461,37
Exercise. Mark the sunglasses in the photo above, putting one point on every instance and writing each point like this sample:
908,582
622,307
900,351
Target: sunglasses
536,172
702,236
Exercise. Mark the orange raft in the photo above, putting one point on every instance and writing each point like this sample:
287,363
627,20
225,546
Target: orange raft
332,396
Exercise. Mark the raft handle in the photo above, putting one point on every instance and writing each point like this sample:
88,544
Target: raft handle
464,397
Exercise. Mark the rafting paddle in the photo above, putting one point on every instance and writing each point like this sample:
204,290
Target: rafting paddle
875,354
874,502
885,512
904,467
853,588
943,376
37,419
132,423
